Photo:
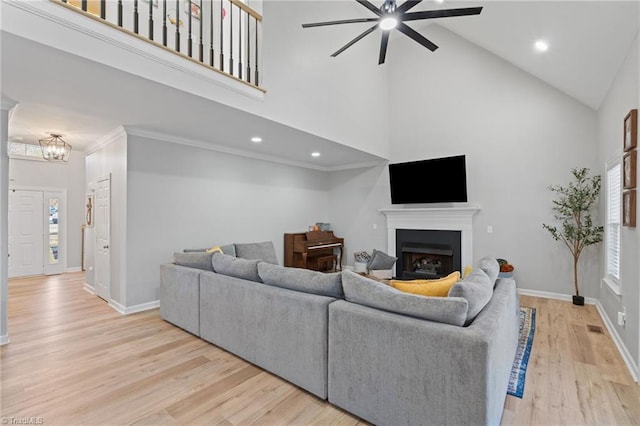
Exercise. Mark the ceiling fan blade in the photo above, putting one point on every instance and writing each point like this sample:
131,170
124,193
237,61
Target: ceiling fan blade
407,5
383,47
370,6
444,13
409,32
355,40
344,21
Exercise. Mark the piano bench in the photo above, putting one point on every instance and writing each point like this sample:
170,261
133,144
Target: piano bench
326,263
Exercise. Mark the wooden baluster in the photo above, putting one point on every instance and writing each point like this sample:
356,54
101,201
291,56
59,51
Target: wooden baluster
221,36
189,39
257,73
231,38
211,52
135,16
151,20
248,41
164,23
240,44
83,5
119,13
103,9
177,25
200,45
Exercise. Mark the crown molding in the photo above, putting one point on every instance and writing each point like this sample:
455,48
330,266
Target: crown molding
114,135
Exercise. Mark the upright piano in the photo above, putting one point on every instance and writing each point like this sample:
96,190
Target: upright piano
313,250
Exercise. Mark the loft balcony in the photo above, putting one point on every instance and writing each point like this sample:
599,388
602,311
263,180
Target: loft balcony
223,36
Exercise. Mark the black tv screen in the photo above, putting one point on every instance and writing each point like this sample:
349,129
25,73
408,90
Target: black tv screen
438,180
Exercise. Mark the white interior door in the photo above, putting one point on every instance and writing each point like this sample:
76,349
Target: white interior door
26,220
102,238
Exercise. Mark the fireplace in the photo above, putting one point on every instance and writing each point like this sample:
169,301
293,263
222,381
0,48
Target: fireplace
458,220
427,253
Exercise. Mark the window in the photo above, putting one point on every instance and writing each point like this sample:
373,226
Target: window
612,229
24,151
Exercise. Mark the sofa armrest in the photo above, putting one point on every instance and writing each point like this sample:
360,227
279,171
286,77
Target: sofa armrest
393,369
180,296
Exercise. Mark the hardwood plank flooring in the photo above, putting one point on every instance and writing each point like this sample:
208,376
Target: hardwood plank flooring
74,360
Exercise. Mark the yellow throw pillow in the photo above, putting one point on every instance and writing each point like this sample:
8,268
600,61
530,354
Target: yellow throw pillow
467,271
215,249
436,288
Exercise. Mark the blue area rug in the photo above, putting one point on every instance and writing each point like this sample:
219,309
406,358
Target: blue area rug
519,369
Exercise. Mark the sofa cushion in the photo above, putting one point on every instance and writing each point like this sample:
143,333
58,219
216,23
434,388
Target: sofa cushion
264,251
490,266
363,291
301,280
435,288
235,267
229,249
477,289
198,260
381,260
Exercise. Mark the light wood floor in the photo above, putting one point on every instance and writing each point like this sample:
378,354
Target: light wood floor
74,360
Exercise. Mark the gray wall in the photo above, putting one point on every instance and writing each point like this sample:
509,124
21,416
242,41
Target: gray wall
519,135
59,175
184,197
622,97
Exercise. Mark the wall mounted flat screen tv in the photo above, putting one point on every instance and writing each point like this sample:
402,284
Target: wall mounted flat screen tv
437,180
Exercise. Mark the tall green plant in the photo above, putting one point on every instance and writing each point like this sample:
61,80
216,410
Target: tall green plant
572,210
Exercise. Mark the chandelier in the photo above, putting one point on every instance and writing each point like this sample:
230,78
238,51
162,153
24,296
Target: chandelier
54,148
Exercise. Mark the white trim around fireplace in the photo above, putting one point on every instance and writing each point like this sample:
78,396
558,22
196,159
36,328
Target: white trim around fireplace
436,218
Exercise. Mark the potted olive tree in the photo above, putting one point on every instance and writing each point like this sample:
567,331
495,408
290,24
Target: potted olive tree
572,210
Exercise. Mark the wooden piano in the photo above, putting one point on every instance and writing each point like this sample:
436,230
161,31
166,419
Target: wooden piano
313,250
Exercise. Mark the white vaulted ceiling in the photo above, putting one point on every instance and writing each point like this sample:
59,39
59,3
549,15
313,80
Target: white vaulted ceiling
588,43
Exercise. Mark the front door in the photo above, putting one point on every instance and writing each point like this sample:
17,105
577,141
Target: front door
26,222
102,238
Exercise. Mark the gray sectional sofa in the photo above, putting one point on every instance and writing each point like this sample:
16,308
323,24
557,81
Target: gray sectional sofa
388,357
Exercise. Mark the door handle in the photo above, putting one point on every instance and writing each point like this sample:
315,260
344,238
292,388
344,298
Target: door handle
105,247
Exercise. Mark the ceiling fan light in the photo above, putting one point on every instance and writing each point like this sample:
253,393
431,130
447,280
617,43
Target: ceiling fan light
388,23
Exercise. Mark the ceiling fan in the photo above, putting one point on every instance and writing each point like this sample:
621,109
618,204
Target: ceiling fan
390,16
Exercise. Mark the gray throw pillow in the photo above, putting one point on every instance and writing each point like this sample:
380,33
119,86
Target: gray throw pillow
264,251
490,266
198,260
363,291
235,267
381,260
477,289
302,280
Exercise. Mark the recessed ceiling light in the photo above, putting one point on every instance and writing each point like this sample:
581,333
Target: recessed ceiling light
439,1
315,154
256,139
541,46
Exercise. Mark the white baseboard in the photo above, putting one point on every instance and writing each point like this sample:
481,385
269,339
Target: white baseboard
89,288
126,310
4,339
556,296
75,269
624,352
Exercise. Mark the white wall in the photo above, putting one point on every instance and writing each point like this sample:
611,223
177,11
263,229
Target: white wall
185,197
5,106
623,96
69,176
111,159
519,135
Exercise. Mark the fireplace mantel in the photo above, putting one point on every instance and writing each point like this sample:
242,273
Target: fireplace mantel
436,218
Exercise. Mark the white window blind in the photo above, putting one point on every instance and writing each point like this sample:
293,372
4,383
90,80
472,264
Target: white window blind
613,200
